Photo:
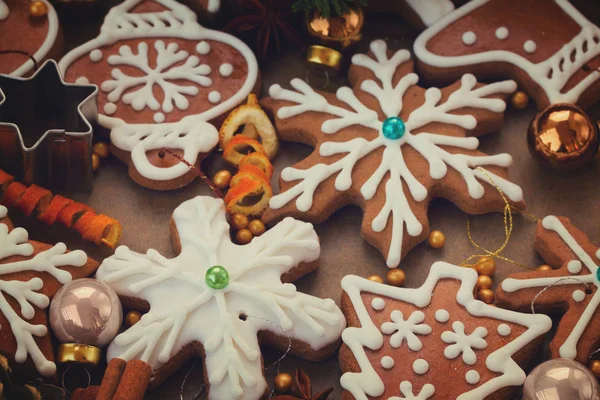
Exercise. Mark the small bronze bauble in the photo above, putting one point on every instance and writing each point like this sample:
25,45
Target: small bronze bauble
375,278
396,277
594,366
102,149
487,296
38,9
486,266
544,268
256,227
436,239
222,179
239,221
484,282
283,382
563,136
132,317
519,100
243,236
95,161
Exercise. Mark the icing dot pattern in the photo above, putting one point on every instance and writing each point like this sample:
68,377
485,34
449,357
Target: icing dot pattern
387,362
110,108
378,303
96,55
159,118
203,48
472,377
214,97
502,33
469,38
442,315
574,267
529,46
504,330
226,69
578,296
420,366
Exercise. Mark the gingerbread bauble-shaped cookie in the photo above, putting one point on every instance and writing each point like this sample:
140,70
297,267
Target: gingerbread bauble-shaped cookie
162,77
390,146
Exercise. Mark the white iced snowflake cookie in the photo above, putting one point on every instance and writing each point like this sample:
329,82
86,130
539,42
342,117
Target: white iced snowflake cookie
573,288
390,146
34,273
458,339
548,45
163,78
221,295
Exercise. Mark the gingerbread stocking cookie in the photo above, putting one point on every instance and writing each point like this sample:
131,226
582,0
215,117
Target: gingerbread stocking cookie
390,146
571,289
433,342
548,46
162,78
30,274
27,33
222,301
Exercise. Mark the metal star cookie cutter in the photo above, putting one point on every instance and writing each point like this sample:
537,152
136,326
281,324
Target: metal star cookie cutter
46,129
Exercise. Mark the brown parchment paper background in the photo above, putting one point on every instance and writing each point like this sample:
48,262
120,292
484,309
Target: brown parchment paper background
145,213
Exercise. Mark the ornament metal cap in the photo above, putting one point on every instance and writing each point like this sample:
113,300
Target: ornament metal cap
324,56
79,353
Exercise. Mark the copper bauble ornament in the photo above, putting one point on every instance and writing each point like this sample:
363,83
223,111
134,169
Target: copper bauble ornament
594,366
563,136
375,278
544,268
132,317
222,179
519,100
486,295
102,149
561,379
486,266
436,239
484,282
396,277
38,9
283,382
239,221
243,236
257,227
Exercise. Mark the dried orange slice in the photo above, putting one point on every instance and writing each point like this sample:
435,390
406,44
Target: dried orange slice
239,147
258,160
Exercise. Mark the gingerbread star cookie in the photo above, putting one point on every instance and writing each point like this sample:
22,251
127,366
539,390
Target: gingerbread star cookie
25,37
433,342
163,78
390,146
548,46
571,289
30,274
222,301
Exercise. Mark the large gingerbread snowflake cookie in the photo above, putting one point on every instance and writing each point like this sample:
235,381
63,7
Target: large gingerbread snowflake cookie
548,46
390,146
433,342
163,77
570,290
222,301
30,274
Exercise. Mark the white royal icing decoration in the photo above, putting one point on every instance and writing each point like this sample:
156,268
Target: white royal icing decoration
502,33
431,11
367,383
504,330
472,377
529,46
574,267
213,5
420,366
378,304
110,108
406,330
174,71
232,354
51,36
551,75
469,38
159,118
96,55
569,347
406,389
463,343
429,145
214,97
226,69
578,296
387,362
82,80
203,48
26,293
442,316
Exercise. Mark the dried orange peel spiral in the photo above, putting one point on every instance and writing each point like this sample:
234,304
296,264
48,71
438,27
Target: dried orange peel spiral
239,147
250,192
258,160
256,124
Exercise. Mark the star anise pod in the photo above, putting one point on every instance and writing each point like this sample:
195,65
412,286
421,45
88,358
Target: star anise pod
266,20
302,390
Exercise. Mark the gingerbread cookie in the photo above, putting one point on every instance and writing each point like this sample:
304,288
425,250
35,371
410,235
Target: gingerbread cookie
571,289
221,301
548,46
390,146
433,342
30,274
163,78
25,37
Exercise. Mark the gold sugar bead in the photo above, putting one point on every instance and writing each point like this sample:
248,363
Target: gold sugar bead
486,266
243,236
375,278
396,277
257,227
102,149
95,161
544,268
436,239
484,282
283,382
487,296
594,366
239,221
222,179
519,100
38,9
132,317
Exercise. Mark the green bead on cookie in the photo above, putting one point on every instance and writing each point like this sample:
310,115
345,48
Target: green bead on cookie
217,277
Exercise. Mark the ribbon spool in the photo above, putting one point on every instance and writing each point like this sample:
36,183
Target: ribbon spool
563,136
